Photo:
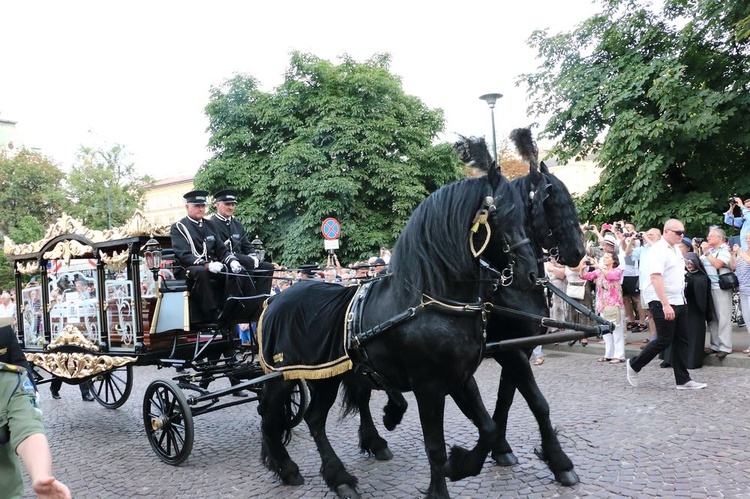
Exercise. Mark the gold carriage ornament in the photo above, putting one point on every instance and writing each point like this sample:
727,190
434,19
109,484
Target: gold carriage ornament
75,365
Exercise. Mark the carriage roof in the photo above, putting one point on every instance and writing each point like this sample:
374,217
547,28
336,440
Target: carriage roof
68,238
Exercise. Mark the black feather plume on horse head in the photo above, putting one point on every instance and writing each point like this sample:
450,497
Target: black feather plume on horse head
526,146
473,152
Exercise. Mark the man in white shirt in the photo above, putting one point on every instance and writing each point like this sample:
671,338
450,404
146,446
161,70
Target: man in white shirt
715,260
666,302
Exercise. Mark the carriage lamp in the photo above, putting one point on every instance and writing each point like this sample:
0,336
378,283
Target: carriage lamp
491,99
152,254
257,245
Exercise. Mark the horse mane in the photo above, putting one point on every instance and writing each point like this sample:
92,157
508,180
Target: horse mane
433,249
432,252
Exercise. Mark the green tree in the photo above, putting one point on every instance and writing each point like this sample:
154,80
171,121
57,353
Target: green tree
104,188
27,230
662,98
339,141
30,185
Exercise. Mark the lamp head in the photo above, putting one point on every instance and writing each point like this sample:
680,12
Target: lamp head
491,99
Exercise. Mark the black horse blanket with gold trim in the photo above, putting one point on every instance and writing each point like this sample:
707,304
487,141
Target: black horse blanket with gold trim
302,331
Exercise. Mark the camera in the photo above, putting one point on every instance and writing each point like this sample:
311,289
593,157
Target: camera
699,240
588,227
731,198
618,225
639,236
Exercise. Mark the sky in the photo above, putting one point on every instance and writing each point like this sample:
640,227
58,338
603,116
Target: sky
139,73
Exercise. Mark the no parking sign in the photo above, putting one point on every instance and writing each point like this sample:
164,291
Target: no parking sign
331,230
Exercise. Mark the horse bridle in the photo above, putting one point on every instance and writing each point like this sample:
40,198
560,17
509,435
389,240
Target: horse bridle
482,218
553,251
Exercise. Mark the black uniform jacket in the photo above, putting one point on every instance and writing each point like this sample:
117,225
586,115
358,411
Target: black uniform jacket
231,233
194,243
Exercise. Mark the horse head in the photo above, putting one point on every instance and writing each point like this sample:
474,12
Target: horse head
551,215
503,239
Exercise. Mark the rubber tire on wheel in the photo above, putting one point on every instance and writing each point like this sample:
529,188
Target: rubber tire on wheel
168,421
112,388
300,401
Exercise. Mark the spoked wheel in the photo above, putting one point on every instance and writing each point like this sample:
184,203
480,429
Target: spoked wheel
168,421
300,401
112,388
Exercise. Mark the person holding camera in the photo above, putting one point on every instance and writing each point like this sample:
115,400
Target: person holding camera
609,304
715,260
743,276
738,216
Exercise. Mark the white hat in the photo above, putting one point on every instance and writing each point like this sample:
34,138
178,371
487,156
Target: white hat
609,238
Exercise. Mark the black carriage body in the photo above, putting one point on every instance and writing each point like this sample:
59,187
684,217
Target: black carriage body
89,292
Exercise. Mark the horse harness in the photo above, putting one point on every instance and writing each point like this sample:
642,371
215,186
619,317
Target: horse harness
356,338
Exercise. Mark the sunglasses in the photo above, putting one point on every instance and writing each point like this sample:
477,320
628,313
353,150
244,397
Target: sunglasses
678,232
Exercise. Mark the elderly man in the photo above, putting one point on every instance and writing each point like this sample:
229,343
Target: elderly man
664,293
715,260
201,254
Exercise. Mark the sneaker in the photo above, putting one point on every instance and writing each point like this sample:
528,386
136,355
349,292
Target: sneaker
692,385
631,374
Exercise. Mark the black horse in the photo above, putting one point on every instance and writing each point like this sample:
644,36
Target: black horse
431,309
552,224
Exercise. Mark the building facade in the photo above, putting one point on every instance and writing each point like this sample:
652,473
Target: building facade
163,203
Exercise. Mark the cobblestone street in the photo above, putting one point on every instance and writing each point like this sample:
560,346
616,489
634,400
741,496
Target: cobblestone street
625,442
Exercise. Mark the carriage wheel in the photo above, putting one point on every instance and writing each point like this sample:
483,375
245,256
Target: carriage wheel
112,388
168,421
300,401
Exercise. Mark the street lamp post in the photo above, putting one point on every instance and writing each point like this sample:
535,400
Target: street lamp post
490,99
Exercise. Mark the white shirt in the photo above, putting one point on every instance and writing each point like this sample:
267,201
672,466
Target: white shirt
8,310
668,261
722,253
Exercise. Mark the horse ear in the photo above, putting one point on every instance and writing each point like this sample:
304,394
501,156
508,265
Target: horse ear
543,168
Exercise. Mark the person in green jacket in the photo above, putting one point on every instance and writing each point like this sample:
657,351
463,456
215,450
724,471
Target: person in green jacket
22,435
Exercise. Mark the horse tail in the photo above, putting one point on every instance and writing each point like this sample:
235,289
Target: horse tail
351,400
526,146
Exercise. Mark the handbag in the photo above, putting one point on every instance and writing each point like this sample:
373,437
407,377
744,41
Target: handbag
728,280
576,290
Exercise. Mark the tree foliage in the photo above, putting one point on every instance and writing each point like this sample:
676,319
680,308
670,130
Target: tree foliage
30,185
662,99
104,188
339,141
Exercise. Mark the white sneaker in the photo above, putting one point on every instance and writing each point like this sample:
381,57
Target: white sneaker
631,373
692,385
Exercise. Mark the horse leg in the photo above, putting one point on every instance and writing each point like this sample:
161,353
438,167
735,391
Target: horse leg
551,452
502,453
394,410
370,441
463,463
276,431
431,415
323,396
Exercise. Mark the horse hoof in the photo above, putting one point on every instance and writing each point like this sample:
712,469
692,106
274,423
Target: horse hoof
345,491
293,479
383,454
505,459
567,478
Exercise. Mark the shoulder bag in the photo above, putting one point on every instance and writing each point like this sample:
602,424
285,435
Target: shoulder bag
728,280
576,290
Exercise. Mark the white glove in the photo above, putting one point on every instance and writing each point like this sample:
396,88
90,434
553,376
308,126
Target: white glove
236,267
256,262
215,267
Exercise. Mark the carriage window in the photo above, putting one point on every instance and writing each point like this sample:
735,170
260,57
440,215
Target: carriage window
73,293
31,310
120,312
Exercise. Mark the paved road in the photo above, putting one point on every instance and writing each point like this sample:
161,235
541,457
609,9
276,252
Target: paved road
625,442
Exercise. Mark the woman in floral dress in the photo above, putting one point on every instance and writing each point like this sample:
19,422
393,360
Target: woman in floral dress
606,275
